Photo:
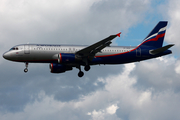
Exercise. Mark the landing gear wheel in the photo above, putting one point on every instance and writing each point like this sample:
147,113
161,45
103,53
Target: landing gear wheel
87,68
25,70
80,74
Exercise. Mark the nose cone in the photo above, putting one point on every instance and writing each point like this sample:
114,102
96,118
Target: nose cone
6,55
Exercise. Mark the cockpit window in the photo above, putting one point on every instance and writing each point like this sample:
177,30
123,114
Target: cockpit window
14,48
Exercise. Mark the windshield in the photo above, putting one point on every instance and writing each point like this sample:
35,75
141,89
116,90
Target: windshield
14,48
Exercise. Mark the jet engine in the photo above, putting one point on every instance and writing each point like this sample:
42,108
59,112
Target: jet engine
67,58
59,68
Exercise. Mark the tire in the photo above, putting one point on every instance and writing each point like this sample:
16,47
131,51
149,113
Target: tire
25,70
80,74
87,68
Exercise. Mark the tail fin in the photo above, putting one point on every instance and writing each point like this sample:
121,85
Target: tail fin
156,36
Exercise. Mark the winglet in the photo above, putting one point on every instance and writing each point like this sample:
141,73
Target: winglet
118,34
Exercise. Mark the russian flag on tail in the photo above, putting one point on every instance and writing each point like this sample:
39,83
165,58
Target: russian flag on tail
156,36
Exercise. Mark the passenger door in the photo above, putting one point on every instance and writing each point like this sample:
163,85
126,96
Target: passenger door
26,49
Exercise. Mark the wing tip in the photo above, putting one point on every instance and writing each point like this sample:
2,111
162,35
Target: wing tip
118,34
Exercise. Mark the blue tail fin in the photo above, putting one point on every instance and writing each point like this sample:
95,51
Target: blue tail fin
156,36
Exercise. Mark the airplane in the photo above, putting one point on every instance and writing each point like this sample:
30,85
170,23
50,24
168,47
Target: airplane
63,58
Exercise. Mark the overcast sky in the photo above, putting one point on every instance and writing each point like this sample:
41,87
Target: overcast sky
146,90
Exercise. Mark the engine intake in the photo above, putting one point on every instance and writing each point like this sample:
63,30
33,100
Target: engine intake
59,68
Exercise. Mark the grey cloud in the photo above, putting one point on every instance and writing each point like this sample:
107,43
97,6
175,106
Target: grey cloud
57,23
157,74
119,89
172,15
19,88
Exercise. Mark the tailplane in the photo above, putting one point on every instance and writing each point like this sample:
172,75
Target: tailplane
156,36
159,50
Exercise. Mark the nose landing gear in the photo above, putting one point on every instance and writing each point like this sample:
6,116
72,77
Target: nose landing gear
26,69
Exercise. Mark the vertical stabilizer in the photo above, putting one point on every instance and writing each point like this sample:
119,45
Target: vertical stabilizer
156,36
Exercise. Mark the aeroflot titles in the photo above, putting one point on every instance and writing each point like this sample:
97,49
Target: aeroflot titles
49,45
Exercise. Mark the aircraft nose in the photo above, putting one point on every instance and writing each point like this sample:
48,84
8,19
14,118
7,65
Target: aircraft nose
6,55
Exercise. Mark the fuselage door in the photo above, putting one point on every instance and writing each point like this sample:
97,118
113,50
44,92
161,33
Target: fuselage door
138,52
26,49
71,50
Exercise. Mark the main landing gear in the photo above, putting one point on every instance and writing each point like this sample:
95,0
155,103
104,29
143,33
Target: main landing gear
86,68
80,74
26,69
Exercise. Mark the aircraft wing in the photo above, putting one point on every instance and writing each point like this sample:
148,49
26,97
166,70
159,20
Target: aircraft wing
91,50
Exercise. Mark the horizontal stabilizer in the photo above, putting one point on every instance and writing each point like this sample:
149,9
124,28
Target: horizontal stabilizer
159,50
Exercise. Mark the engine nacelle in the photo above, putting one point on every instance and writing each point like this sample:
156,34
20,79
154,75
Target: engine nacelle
59,68
66,58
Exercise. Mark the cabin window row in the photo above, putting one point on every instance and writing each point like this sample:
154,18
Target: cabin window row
54,49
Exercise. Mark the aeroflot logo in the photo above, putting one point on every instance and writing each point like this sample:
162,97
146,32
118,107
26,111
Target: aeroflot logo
49,45
154,35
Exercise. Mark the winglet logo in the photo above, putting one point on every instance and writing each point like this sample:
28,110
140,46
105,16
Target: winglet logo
118,34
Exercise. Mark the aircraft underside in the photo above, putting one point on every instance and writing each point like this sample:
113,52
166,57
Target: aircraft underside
117,59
